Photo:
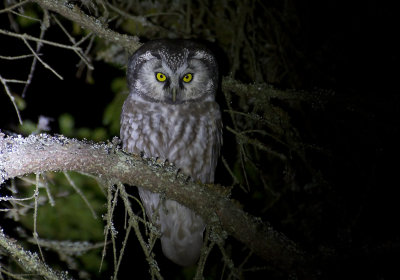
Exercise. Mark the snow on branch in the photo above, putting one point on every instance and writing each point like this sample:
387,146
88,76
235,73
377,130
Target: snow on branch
40,153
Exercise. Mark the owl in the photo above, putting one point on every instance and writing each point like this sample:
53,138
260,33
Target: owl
171,114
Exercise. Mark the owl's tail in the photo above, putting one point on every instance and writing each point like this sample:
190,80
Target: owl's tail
182,233
181,229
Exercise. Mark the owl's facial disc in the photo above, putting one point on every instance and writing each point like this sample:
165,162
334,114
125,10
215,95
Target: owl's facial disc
173,77
174,84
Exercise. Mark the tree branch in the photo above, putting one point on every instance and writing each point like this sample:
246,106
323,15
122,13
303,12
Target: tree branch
75,14
30,262
40,153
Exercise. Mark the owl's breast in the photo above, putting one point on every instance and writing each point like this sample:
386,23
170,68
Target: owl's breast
184,134
143,130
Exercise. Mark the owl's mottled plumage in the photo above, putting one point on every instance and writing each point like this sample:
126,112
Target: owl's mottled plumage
171,114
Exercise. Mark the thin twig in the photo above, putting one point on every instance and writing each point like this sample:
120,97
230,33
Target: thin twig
16,57
256,143
139,19
72,40
35,39
25,16
112,228
235,179
154,269
35,213
13,81
43,28
41,61
121,252
11,275
10,8
81,194
49,195
74,13
205,251
90,34
29,261
109,228
12,98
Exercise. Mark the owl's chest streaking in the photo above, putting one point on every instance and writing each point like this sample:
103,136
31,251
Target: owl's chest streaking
189,135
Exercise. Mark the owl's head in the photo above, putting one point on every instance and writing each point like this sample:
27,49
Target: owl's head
173,72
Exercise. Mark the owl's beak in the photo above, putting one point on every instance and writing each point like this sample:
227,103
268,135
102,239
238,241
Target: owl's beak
173,95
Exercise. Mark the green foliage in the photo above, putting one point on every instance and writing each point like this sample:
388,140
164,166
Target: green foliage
67,127
77,221
27,127
69,218
67,124
21,103
29,17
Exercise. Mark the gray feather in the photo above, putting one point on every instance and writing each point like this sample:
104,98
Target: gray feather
187,132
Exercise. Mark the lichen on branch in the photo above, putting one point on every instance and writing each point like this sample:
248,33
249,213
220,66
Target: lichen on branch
75,14
40,153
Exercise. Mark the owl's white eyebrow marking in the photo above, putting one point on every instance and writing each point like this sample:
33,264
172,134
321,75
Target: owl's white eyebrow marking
183,67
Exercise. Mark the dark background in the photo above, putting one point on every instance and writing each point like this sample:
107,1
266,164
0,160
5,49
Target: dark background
349,49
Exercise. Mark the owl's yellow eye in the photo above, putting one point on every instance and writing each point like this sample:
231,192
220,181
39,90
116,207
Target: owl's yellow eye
160,77
187,78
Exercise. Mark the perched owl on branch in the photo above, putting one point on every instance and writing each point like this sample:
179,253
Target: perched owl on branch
171,114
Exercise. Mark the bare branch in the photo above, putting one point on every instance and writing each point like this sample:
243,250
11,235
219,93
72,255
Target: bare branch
16,57
72,40
11,8
12,98
40,153
35,213
81,194
32,38
75,14
43,27
256,143
41,61
264,92
29,261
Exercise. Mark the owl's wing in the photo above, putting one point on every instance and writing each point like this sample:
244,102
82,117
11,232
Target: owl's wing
216,143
